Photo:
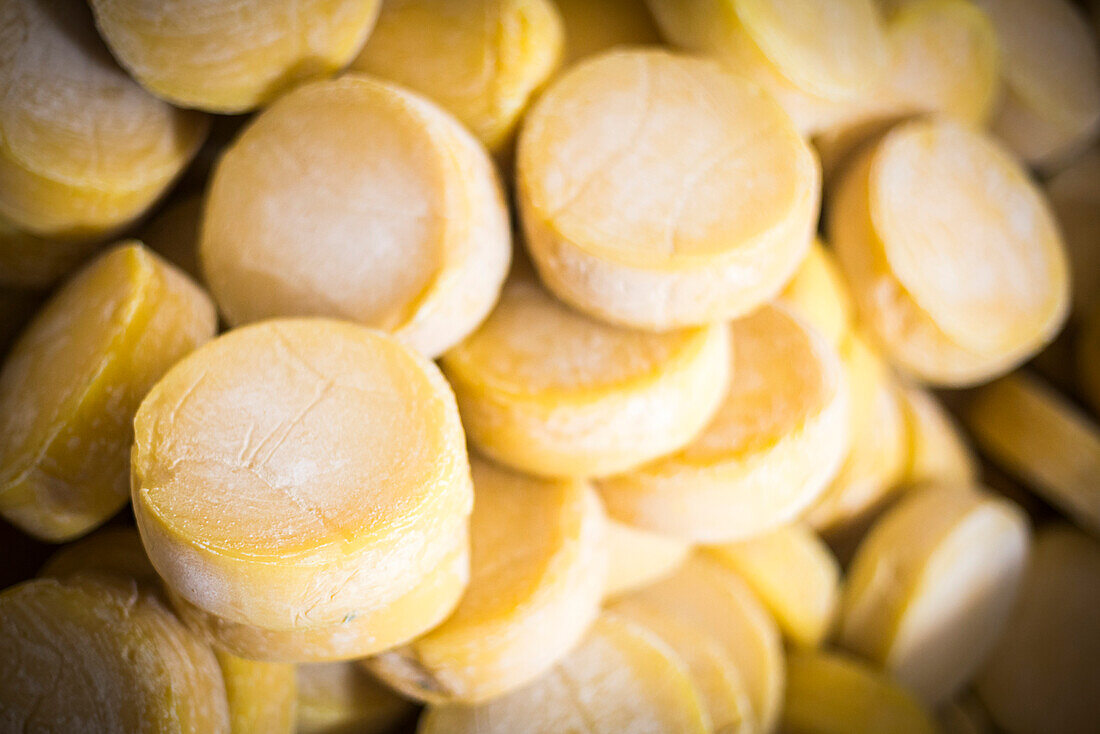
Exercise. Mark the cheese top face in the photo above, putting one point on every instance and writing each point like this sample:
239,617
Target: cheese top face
605,161
328,434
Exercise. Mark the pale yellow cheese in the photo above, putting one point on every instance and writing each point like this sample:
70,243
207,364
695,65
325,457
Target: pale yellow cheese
378,207
818,294
342,697
631,220
938,451
638,557
774,445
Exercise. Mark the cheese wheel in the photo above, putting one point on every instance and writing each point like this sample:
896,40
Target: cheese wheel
938,451
932,585
1042,675
550,391
953,255
818,294
232,57
338,697
98,655
772,448
794,574
31,262
386,212
709,665
344,455
622,678
1051,104
830,693
84,150
817,58
1038,436
592,28
1075,195
635,222
712,599
71,384
481,60
637,558
174,234
537,569
878,450
115,552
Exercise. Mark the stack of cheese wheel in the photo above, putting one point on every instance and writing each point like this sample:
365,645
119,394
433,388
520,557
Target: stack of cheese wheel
74,379
775,443
819,58
481,60
232,57
632,221
401,227
953,255
84,150
346,530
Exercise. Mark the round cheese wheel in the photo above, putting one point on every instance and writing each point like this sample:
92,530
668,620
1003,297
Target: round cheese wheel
818,294
637,558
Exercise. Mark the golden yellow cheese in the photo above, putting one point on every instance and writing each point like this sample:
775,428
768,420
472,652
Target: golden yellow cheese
537,567
794,574
635,222
31,262
1051,68
1088,359
97,655
481,60
636,557
174,234
931,587
830,693
387,212
344,457
261,696
952,253
232,57
1039,436
878,450
622,678
72,382
595,27
1074,193
818,294
84,150
938,451
343,697
550,391
774,445
819,58
712,599
1042,676
709,664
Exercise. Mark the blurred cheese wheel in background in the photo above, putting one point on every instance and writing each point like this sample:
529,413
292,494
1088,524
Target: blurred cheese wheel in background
516,619
932,585
550,391
481,60
103,655
952,253
1042,676
632,221
938,450
594,27
769,452
232,57
71,384
820,59
1051,67
380,209
84,150
343,697
637,557
621,678
1074,193
831,693
343,452
818,294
